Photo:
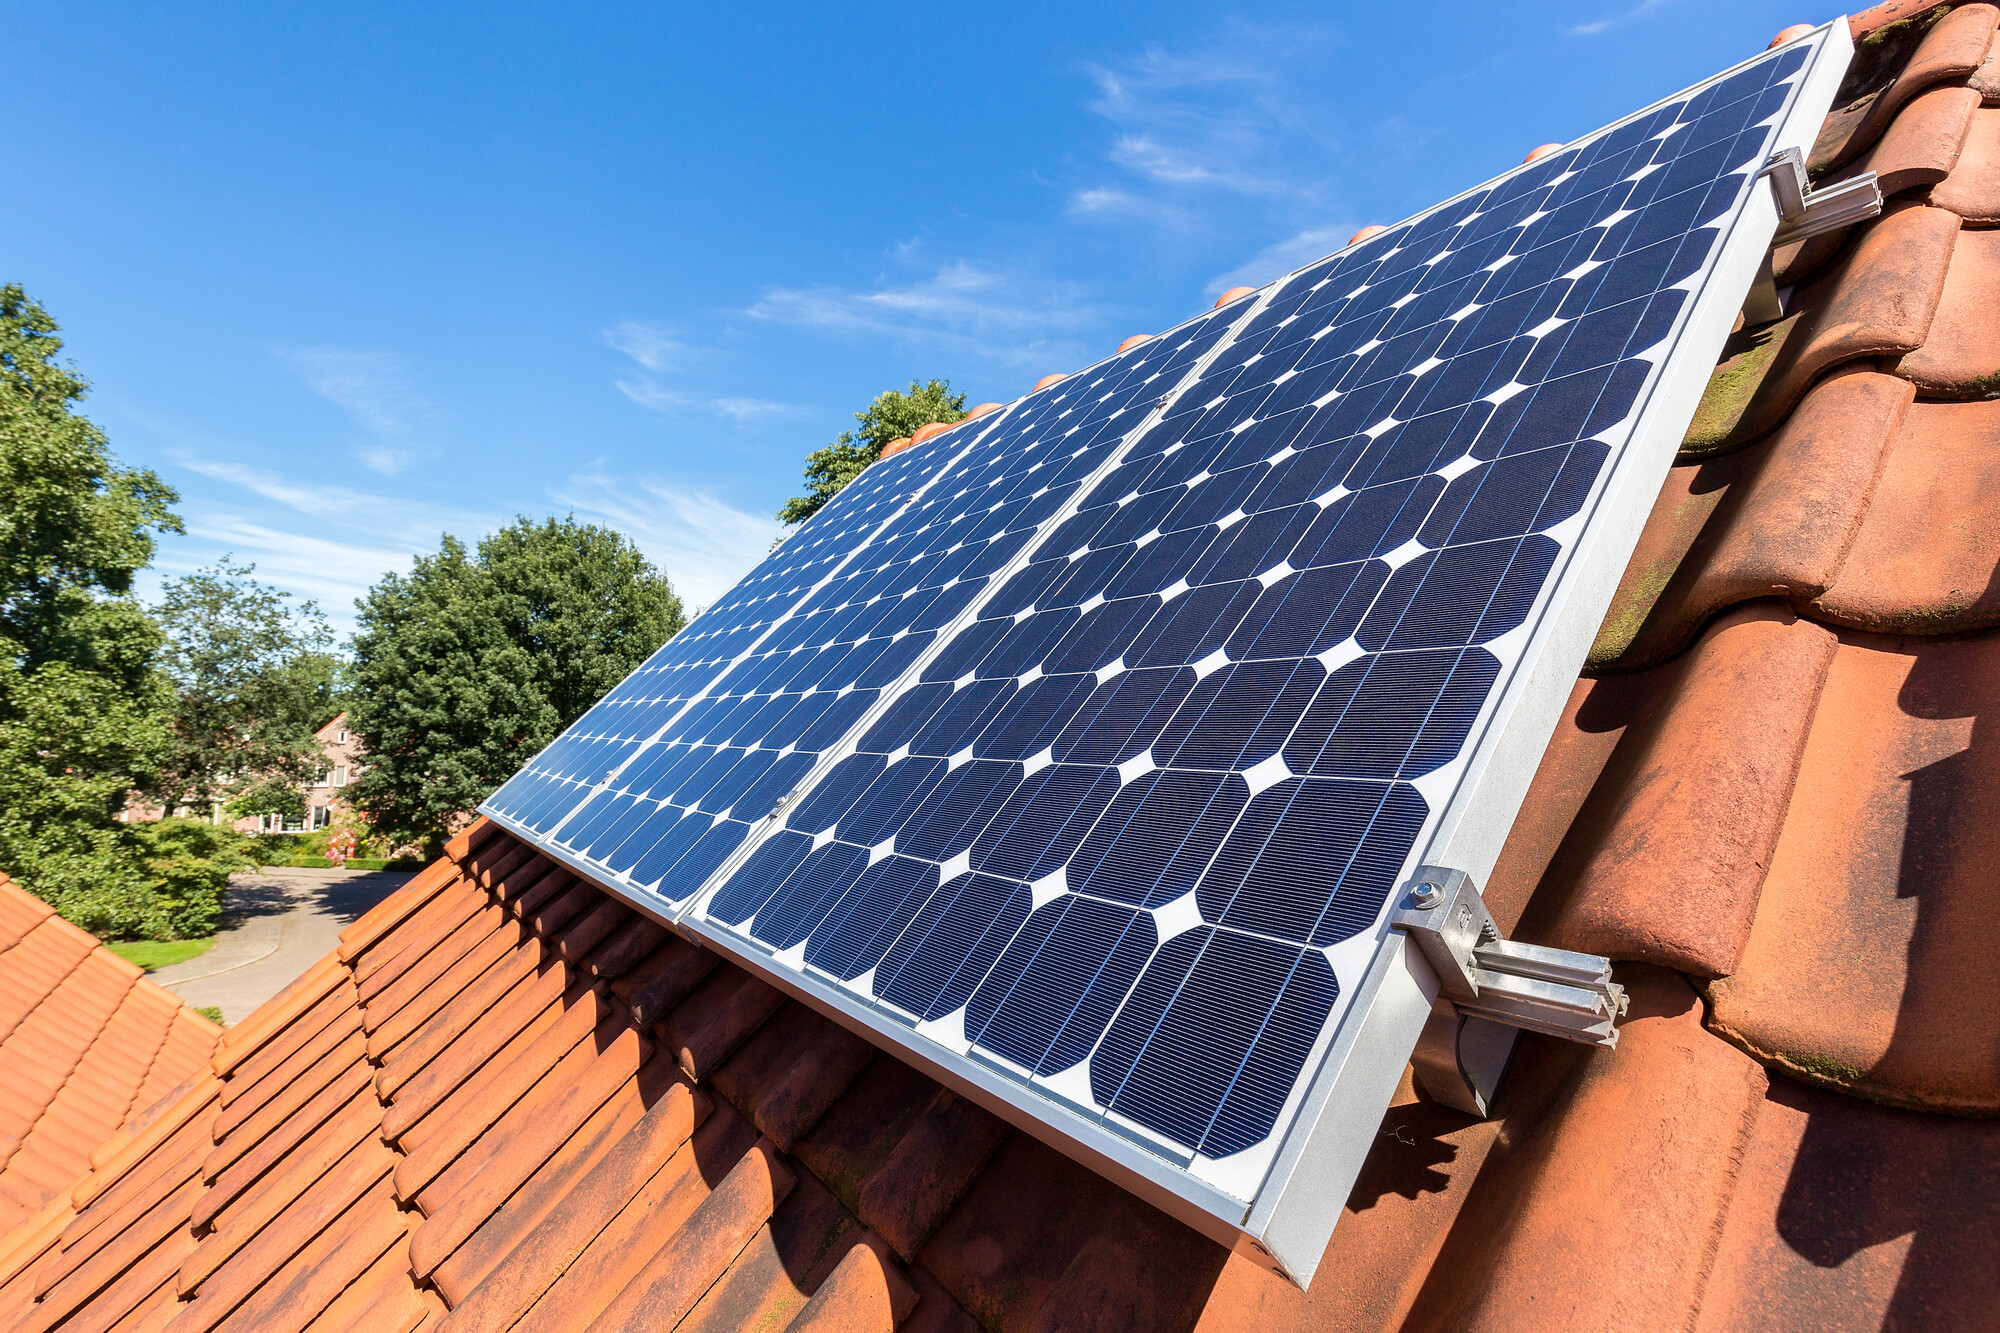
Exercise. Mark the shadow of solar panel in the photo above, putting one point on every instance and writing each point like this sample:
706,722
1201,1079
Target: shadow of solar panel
1109,727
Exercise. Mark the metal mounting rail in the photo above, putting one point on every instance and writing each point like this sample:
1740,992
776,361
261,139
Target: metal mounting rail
1490,987
1805,212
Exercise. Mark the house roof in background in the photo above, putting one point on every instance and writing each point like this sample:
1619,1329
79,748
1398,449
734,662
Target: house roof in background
509,1101
88,1047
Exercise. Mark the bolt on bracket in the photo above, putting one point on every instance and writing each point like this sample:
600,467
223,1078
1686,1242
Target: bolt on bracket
1489,988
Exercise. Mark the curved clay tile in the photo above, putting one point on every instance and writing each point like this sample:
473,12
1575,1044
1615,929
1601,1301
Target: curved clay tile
1773,520
1878,300
1134,341
1952,48
1922,145
1688,776
896,446
1233,294
1540,151
1924,558
1987,77
1972,190
1372,229
1055,377
926,431
1790,34
1961,356
1866,968
983,409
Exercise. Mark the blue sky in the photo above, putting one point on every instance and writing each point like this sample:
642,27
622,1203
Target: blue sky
352,276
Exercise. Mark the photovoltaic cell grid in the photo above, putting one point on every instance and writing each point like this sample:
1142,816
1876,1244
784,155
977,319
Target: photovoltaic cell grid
1107,834
686,669
666,776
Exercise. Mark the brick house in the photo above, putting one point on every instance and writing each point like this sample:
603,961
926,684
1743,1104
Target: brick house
326,797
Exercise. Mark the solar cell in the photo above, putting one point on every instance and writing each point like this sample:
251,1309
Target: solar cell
1086,751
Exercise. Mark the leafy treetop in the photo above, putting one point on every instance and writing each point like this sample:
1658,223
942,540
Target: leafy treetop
253,678
892,416
475,660
83,710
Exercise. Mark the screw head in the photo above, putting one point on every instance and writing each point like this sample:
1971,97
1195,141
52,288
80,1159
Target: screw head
1426,895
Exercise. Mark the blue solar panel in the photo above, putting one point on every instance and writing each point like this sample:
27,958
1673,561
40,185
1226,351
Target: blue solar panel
1082,742
665,777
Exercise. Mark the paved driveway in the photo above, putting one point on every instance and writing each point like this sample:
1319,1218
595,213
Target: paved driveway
276,923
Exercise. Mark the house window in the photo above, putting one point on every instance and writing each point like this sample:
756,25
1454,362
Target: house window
320,778
340,738
322,816
340,775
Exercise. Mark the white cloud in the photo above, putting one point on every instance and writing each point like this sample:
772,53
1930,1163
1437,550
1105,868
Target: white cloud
658,352
703,544
962,307
332,572
1286,256
1231,118
1102,199
755,409
1609,21
650,345
376,390
307,499
648,393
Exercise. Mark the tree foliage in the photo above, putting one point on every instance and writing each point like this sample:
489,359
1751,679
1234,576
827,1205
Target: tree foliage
474,660
82,707
892,416
253,678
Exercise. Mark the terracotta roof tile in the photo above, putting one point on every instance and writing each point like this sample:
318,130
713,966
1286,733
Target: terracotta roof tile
1972,190
1849,1215
864,1292
1756,790
1883,80
87,1045
1922,145
1987,77
1961,356
1934,483
1863,968
667,1286
1776,519
1879,300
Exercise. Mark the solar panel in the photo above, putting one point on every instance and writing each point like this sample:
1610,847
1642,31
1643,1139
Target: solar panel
1078,752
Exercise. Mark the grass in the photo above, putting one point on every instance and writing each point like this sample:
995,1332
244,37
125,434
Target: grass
152,954
212,1012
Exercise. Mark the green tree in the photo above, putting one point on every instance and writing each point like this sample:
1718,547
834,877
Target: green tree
253,679
473,661
82,710
892,416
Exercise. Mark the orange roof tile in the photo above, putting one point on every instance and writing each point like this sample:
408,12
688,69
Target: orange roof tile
86,1045
507,1101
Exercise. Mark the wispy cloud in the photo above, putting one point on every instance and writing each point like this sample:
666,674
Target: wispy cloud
658,352
331,571
1229,119
272,486
376,389
1275,261
1006,318
652,346
1610,21
702,543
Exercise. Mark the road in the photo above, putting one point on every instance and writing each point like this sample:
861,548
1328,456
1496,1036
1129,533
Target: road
276,923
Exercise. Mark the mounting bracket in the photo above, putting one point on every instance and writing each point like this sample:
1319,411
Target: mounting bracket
1805,212
1489,988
